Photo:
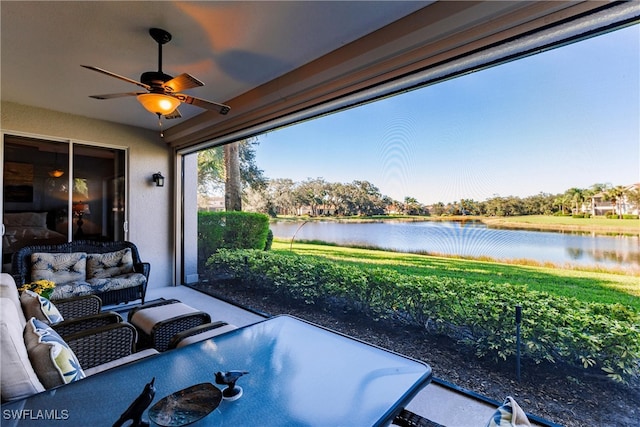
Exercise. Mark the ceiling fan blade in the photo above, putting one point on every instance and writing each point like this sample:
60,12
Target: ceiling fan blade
174,115
182,82
207,105
116,95
117,76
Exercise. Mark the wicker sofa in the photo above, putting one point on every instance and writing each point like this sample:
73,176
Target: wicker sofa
112,271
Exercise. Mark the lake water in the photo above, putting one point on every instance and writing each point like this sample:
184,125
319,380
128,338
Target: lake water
473,239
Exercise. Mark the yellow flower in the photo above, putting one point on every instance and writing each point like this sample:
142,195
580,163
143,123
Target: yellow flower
41,287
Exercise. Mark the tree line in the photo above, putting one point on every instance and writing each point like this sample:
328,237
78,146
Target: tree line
317,197
252,191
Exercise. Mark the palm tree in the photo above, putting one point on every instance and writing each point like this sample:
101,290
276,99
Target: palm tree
229,168
615,196
232,183
210,170
576,195
561,201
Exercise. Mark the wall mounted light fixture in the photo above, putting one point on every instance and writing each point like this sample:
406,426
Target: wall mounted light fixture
158,179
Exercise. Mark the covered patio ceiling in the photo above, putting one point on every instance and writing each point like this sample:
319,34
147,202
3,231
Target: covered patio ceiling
264,59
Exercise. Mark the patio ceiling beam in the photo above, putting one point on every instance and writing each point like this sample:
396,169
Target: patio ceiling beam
434,35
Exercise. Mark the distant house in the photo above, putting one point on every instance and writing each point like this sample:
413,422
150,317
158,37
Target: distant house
320,210
601,205
393,209
211,204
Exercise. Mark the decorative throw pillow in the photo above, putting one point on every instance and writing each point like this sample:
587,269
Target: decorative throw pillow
110,264
34,305
510,414
59,268
53,361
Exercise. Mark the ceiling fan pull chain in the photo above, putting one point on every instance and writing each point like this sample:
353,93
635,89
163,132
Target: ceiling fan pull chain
160,124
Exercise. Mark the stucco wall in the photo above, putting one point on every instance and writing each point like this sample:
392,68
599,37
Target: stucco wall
150,207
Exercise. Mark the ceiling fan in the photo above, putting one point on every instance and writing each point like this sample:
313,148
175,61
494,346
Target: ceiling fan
162,95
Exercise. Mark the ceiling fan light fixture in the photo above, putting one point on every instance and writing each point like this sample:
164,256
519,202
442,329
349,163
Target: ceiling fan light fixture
158,103
163,95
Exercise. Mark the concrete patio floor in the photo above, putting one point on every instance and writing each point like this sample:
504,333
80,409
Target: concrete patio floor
437,402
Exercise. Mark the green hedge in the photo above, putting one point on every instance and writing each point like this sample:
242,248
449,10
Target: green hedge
625,216
231,230
481,314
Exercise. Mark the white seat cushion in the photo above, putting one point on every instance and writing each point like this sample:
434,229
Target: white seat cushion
147,318
18,380
8,289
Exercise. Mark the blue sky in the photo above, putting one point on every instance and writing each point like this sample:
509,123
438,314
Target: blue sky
569,117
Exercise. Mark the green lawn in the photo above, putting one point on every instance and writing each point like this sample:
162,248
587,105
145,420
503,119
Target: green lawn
583,285
594,224
567,220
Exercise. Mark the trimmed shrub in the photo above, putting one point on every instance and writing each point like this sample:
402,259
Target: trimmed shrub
230,230
480,314
267,246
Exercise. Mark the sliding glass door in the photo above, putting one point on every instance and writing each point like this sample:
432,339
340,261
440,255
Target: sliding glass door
59,191
98,197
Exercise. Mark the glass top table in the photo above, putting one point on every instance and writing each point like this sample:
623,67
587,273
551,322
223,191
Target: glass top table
300,374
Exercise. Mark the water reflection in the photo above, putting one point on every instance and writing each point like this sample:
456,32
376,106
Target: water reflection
575,253
474,239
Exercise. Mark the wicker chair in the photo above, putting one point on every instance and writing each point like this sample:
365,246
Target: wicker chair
199,333
82,306
159,335
79,313
101,345
82,313
80,324
97,348
21,266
